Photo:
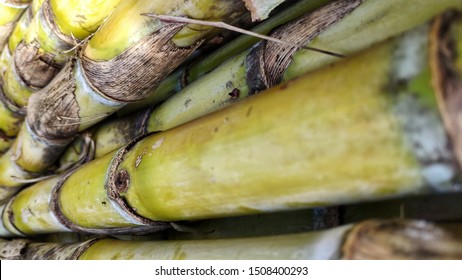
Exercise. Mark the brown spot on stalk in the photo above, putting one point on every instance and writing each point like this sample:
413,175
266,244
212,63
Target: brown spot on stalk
186,103
122,181
234,94
249,111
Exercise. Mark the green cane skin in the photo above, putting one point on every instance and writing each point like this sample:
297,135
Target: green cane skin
9,14
268,150
89,115
85,202
107,44
35,218
15,37
20,30
292,246
9,121
5,144
81,18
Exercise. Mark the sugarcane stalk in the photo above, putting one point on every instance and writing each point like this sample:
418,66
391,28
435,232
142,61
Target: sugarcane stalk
15,37
92,85
10,11
280,149
375,239
378,156
10,115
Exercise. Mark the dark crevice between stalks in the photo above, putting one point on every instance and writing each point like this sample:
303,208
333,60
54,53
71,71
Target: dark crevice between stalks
326,217
267,61
400,239
126,77
447,81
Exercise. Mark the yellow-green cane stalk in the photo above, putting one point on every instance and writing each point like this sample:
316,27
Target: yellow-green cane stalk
10,115
275,151
375,239
15,37
10,11
275,162
19,32
98,81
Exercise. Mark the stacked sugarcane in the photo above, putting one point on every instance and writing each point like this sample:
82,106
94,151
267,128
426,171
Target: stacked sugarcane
364,128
